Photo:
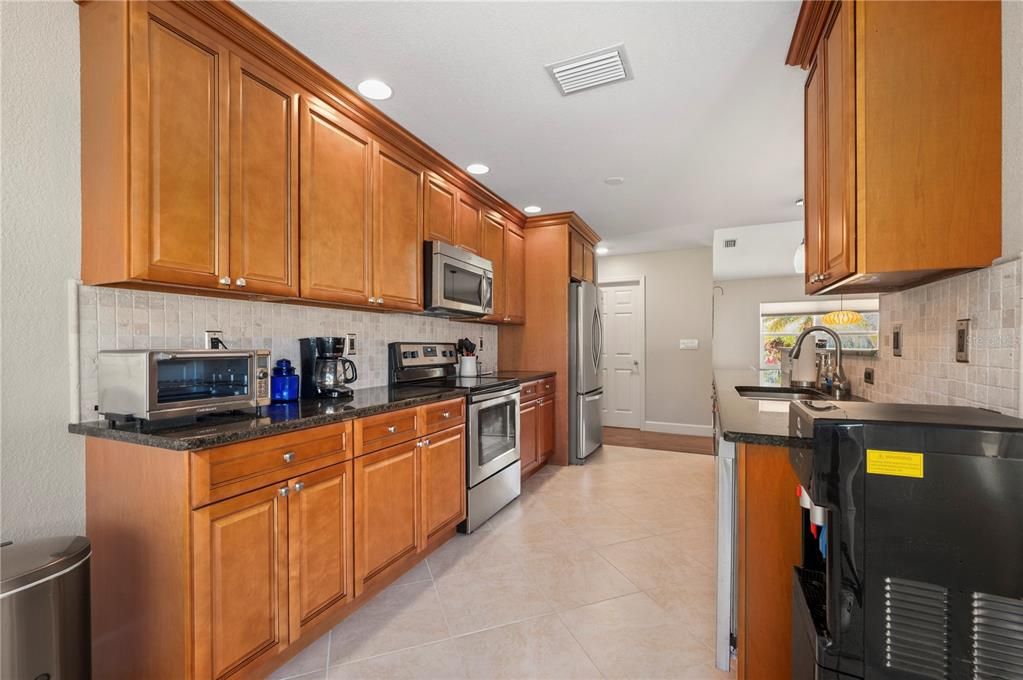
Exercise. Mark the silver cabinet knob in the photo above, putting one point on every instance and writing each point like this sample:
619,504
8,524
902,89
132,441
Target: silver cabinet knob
240,282
392,429
225,280
446,414
289,456
426,442
299,486
824,277
283,491
380,301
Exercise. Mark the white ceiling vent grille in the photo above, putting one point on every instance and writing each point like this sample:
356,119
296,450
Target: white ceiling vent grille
590,70
729,243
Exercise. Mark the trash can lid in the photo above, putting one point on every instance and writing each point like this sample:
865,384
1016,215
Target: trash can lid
27,563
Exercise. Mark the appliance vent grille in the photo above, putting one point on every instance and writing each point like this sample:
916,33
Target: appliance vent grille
593,69
730,243
916,627
997,637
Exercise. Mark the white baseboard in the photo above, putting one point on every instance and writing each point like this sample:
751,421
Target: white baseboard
678,428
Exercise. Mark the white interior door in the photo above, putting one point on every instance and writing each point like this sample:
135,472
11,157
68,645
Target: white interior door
624,365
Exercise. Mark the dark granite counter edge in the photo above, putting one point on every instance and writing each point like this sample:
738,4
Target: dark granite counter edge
767,440
98,428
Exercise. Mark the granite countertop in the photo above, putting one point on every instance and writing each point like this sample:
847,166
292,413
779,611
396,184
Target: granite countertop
523,376
751,421
220,429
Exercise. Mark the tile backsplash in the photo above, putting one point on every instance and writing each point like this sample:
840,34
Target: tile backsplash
927,371
125,319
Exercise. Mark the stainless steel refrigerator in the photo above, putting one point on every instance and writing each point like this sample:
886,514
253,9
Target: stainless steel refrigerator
585,371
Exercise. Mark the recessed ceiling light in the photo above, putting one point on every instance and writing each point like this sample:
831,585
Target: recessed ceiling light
375,89
799,202
614,181
477,169
532,209
601,250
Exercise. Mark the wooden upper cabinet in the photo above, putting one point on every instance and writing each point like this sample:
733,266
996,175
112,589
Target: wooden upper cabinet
468,224
813,193
493,250
397,230
336,236
515,274
442,487
179,187
589,264
264,181
440,203
901,188
386,511
320,541
240,581
576,248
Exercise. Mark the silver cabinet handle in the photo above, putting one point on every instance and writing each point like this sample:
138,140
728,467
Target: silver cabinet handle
392,429
283,491
299,486
289,456
824,277
380,301
426,442
240,282
225,280
446,414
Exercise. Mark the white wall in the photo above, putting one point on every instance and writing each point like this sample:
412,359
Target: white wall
42,466
737,316
678,305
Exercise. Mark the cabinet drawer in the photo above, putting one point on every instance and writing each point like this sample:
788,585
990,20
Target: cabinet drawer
545,387
530,391
230,470
387,429
437,417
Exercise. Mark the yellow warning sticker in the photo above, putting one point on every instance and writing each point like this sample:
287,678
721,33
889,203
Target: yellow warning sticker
895,463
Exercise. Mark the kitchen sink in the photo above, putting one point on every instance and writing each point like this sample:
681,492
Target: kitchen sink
780,393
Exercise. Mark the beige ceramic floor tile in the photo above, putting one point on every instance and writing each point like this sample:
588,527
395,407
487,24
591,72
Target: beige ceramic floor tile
312,659
632,637
439,661
418,573
580,579
610,526
399,617
487,598
648,562
540,648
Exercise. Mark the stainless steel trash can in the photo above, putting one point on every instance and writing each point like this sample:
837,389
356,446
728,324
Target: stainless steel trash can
44,609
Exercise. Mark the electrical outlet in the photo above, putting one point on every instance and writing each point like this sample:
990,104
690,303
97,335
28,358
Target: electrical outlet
868,375
689,343
963,341
897,340
350,349
208,339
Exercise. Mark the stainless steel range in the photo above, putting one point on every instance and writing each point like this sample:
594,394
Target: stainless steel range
493,472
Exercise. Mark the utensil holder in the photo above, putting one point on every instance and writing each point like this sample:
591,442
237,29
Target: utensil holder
467,367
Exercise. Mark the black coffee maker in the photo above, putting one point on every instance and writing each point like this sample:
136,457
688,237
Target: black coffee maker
326,372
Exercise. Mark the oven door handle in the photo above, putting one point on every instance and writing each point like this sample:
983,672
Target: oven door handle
496,397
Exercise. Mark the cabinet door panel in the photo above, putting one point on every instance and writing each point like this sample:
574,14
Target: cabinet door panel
320,542
493,250
386,510
443,481
589,264
240,580
813,192
545,429
179,154
467,223
515,275
440,210
575,257
264,181
336,161
398,232
528,449
839,223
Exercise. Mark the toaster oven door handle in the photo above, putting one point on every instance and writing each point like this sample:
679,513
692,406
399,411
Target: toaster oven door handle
167,356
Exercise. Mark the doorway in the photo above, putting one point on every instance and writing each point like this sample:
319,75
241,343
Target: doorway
623,308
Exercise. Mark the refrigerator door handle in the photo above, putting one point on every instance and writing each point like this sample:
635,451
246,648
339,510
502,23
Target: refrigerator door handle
595,345
595,397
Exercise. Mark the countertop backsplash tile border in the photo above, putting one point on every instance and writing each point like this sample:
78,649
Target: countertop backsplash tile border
126,319
927,372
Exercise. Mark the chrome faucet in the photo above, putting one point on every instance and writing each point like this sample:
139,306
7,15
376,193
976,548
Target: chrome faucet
841,387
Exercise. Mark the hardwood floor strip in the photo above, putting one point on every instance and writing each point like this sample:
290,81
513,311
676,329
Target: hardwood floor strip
621,436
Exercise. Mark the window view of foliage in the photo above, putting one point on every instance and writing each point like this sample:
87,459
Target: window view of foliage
778,333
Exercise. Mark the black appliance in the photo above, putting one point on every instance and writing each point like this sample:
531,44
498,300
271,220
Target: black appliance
912,543
493,471
326,371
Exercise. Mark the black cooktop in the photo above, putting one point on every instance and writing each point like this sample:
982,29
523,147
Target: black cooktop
475,385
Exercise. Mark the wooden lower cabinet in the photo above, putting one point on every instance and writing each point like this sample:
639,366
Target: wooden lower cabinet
442,481
769,547
320,545
240,581
386,511
545,429
527,438
536,424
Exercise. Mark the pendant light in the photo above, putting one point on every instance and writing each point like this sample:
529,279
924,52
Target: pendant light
842,317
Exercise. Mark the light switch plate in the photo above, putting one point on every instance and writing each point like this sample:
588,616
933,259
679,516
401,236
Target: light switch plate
689,343
350,345
963,341
897,340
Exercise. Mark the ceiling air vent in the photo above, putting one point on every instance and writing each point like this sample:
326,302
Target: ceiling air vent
592,69
729,243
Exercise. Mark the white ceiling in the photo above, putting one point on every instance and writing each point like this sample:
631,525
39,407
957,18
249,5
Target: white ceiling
708,133
761,250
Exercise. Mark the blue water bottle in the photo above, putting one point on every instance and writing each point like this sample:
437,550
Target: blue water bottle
283,383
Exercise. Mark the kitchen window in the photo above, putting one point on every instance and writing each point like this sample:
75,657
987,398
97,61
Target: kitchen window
782,322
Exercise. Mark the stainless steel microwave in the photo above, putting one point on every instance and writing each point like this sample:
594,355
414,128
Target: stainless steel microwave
458,283
159,384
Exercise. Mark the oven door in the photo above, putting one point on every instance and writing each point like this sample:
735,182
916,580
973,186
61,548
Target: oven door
192,382
461,287
493,433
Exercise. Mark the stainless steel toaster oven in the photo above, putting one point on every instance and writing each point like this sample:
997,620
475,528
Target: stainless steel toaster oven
159,384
